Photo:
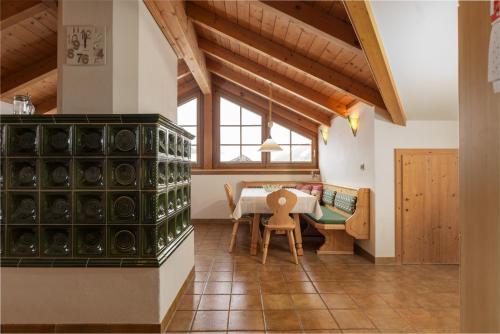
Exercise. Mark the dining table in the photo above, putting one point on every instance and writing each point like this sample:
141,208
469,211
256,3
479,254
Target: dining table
253,201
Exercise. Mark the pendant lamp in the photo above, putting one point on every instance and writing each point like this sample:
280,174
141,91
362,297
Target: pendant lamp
269,145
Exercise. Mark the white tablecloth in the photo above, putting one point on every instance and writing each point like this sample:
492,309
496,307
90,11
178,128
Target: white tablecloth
253,200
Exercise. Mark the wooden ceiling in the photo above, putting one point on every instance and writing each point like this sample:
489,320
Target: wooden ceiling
29,51
319,63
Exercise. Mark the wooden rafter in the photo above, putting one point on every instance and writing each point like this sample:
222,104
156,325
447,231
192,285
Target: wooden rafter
316,21
284,55
364,24
262,103
34,73
186,87
179,31
262,89
255,69
24,10
182,69
47,106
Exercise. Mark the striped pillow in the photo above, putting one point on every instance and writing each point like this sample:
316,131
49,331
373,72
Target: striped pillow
328,196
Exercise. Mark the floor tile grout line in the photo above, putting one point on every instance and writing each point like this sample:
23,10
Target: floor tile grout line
202,294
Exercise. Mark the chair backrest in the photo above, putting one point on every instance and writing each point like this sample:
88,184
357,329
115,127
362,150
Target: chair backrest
230,197
281,202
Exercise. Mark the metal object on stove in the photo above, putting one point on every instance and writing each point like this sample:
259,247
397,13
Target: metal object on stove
23,105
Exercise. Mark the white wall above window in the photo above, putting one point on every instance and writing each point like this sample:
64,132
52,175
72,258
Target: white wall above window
421,42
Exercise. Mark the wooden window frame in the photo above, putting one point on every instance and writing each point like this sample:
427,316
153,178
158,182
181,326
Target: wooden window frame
196,94
266,158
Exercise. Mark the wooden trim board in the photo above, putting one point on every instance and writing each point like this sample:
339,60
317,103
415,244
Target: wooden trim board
365,26
212,221
247,171
102,328
171,310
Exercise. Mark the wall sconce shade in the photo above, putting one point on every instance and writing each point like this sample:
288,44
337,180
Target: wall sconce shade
353,123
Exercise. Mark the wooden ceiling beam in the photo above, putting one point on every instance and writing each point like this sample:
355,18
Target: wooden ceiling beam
23,79
255,69
315,20
284,55
47,106
24,10
364,24
263,104
186,87
262,89
182,69
179,31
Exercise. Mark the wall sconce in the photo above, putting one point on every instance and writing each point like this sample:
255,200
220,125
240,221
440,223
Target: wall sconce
324,133
353,123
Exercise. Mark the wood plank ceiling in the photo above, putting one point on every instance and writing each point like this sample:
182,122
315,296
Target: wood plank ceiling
29,51
309,50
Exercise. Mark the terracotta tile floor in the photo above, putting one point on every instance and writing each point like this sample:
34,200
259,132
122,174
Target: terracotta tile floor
234,293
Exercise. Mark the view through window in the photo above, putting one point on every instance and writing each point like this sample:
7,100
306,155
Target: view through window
187,118
296,148
240,134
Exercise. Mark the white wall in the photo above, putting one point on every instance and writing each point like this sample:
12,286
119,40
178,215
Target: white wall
208,199
341,158
416,134
85,89
140,74
157,69
125,69
6,108
94,295
421,42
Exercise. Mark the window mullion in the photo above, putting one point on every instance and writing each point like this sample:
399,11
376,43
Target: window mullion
241,133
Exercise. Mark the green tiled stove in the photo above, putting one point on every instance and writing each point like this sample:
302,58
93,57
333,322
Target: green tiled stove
93,190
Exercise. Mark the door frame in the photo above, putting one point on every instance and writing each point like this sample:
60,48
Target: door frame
398,191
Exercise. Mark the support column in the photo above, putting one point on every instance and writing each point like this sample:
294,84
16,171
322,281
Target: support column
140,70
479,175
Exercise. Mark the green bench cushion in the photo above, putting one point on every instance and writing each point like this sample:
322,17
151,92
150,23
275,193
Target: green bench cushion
329,217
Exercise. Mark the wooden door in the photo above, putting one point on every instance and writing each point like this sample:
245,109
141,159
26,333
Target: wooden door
428,206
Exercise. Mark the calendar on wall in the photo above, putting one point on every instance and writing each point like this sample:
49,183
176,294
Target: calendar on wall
494,51
85,45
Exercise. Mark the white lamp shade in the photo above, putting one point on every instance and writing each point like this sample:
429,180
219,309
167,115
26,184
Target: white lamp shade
270,146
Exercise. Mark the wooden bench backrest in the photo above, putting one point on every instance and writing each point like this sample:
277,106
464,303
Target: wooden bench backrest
284,184
357,224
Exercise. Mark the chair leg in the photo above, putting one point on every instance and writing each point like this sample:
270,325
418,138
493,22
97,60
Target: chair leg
260,240
233,236
291,241
291,246
267,236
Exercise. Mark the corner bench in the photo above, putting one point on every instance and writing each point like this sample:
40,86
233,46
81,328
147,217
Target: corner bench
345,218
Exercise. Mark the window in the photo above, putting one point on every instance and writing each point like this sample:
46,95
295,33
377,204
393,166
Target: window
240,134
187,118
296,147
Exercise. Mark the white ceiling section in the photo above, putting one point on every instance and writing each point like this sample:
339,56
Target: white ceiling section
421,43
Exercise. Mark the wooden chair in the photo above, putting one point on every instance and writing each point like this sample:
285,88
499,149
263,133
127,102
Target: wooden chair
281,202
236,222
